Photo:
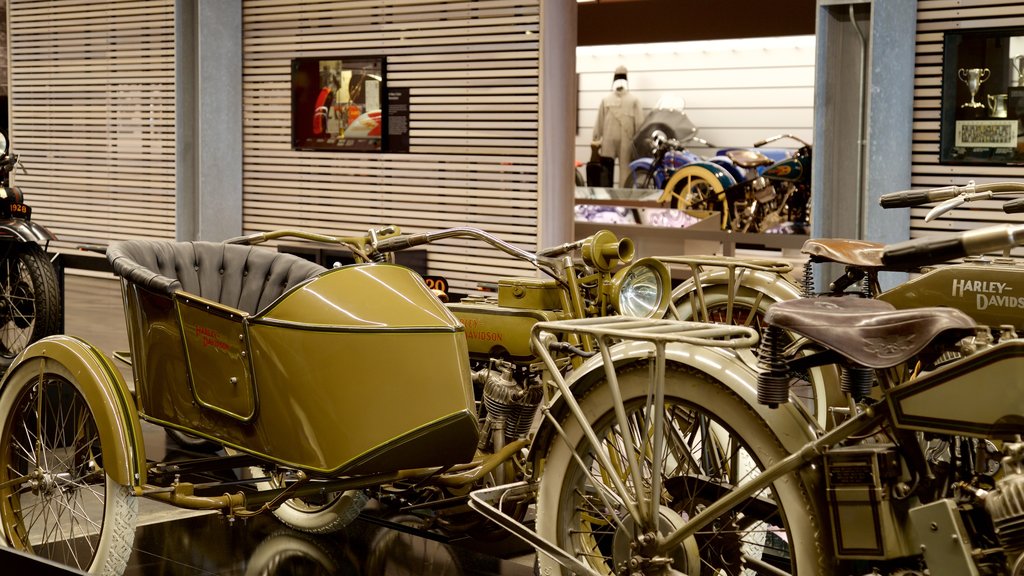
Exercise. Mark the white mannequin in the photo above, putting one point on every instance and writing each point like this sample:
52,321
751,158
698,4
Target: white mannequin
618,119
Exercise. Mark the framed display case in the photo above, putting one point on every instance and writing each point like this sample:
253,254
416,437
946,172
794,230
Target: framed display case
983,97
337,103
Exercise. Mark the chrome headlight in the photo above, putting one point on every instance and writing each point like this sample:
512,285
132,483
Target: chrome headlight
3,144
642,289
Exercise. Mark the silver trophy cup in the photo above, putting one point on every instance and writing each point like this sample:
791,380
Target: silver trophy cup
973,77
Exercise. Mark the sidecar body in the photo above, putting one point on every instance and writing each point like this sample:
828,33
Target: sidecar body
355,370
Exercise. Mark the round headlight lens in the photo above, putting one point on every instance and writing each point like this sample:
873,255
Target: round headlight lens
641,291
3,144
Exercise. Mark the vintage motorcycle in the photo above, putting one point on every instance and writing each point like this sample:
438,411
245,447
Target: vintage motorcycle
296,371
775,199
30,304
710,469
667,155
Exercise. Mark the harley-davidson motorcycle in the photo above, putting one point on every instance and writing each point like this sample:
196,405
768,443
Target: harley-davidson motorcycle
326,387
740,290
774,198
682,467
30,305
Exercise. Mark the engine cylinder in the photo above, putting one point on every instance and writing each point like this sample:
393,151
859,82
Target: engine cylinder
1005,504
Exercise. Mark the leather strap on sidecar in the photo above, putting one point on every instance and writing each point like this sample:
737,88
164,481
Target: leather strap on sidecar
870,332
242,277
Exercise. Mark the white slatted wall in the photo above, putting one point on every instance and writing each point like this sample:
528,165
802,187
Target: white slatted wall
92,115
472,69
736,91
934,17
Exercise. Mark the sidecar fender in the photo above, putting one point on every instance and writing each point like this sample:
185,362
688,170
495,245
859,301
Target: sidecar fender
106,394
793,427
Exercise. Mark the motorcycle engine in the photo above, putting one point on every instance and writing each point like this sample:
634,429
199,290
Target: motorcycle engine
506,372
1005,504
763,189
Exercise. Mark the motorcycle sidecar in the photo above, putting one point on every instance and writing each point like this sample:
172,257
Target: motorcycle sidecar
355,370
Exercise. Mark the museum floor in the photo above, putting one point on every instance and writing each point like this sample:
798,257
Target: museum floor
174,542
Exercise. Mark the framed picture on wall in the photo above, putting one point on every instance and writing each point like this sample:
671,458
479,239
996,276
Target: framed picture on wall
339,103
982,104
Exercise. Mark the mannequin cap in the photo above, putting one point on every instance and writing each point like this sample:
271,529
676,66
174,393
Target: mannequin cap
620,73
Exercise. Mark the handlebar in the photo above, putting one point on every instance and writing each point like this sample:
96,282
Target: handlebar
771,139
952,196
912,253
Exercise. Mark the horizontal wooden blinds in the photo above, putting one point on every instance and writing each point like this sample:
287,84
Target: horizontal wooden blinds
472,71
92,115
935,17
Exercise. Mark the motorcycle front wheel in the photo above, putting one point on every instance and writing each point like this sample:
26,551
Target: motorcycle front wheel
57,501
29,299
817,390
714,441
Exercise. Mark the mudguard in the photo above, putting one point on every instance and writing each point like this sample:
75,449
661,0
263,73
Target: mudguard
105,392
775,287
644,163
793,426
25,230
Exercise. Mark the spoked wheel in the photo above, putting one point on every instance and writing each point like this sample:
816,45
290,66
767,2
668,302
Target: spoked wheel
57,502
29,303
318,514
817,390
713,441
699,186
642,178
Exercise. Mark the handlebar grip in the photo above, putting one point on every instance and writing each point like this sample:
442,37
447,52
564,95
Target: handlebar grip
397,243
1014,206
923,251
907,198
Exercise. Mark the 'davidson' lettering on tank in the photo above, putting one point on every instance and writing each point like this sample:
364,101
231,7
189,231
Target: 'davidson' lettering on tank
474,331
988,293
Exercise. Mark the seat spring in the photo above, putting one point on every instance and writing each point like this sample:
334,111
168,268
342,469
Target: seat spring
773,381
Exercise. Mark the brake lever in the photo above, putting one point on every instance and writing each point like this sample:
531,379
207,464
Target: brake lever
952,203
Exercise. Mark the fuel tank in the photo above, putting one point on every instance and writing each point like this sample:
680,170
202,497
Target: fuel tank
500,326
989,290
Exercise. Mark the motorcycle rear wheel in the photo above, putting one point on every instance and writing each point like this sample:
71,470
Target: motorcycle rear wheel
714,441
29,299
323,514
70,512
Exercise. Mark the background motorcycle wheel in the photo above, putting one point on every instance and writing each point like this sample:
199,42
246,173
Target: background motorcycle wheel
29,299
714,441
698,186
642,178
77,515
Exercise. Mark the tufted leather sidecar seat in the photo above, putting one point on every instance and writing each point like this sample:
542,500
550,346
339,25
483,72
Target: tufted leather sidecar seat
242,277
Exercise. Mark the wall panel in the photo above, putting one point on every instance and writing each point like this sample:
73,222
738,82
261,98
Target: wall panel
472,70
934,18
92,115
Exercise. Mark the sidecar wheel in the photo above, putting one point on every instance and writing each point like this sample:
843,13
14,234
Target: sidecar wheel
29,300
714,441
68,510
323,515
315,515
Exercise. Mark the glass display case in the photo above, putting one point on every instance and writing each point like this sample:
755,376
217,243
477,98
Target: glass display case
982,97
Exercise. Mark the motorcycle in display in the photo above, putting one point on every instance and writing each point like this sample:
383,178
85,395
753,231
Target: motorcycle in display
715,472
268,354
30,305
774,198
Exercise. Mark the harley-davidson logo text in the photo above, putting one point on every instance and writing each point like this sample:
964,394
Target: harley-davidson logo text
211,338
475,332
988,293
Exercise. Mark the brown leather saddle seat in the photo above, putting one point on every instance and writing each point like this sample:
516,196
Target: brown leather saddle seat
857,253
748,158
872,333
